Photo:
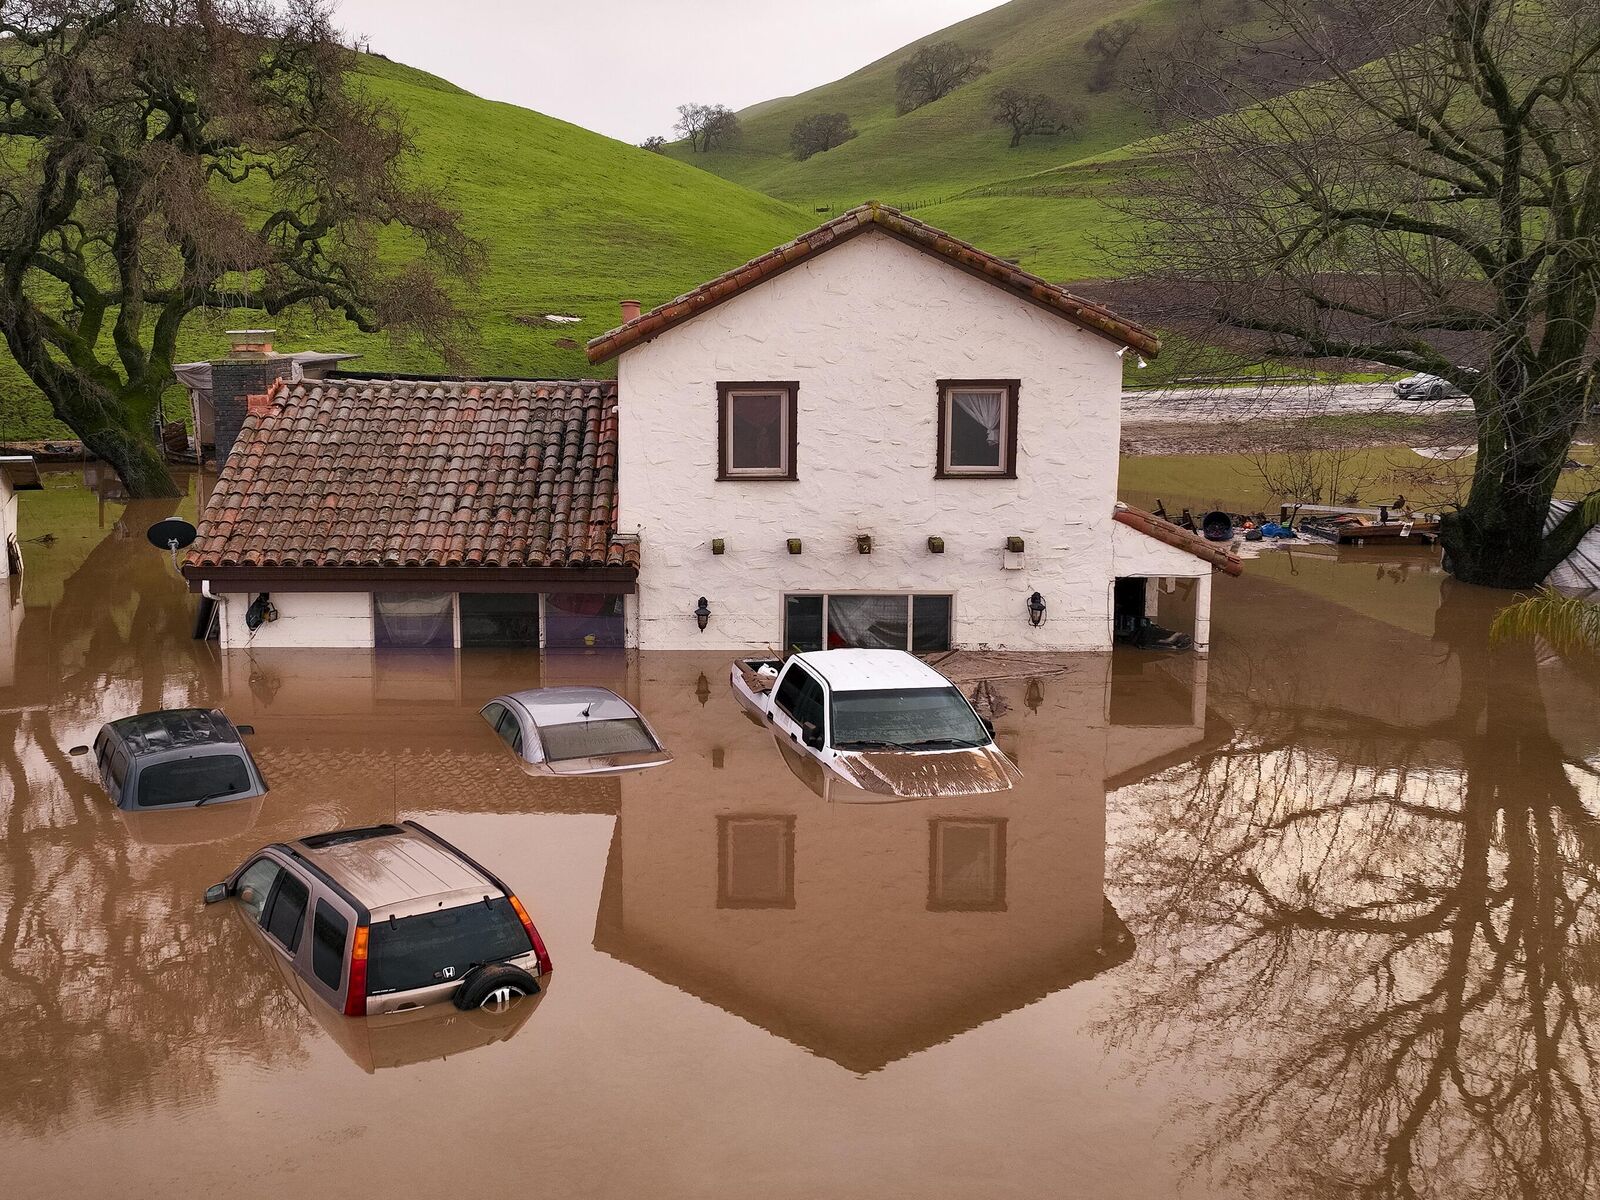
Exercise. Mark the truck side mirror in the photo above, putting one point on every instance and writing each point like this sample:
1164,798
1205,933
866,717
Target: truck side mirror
216,893
811,735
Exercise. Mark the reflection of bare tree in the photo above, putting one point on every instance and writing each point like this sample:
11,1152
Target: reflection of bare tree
117,988
1399,921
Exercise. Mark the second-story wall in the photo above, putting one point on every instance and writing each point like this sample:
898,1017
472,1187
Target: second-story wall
867,329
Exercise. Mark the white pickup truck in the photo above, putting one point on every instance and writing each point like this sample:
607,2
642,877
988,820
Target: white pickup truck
881,720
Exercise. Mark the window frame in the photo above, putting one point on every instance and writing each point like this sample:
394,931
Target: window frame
910,599
1012,389
996,828
726,471
784,825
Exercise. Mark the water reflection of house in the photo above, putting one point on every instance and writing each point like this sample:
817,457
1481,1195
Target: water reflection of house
868,931
874,436
18,473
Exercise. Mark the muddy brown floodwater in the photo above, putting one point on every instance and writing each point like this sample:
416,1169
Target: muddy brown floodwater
1315,918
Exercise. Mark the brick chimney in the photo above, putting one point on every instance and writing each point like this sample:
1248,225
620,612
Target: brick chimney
248,372
630,311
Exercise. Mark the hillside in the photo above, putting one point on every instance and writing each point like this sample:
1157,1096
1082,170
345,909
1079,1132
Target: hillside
572,222
950,162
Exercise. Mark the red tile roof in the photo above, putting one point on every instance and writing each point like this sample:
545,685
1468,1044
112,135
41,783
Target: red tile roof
395,474
1179,538
872,215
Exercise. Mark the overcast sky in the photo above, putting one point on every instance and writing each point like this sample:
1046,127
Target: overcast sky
622,67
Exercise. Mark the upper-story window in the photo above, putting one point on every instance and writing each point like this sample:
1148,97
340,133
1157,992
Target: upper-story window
756,430
977,428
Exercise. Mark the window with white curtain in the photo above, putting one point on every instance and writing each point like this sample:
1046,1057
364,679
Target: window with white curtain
895,621
977,428
414,620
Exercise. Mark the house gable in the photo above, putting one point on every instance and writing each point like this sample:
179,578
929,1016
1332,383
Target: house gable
874,216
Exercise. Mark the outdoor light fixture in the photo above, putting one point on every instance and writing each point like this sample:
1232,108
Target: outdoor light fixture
1015,545
1121,352
863,543
702,613
1036,610
718,546
794,545
1143,364
936,545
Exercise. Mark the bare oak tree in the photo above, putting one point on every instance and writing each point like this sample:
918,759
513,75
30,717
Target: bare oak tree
706,126
168,156
1105,47
935,71
1032,113
1435,208
819,132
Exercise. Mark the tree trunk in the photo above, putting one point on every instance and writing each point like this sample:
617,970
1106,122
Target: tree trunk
121,431
1497,539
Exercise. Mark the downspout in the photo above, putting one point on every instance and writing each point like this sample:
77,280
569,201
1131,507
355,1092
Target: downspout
222,609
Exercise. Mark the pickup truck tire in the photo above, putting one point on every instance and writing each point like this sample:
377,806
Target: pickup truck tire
493,985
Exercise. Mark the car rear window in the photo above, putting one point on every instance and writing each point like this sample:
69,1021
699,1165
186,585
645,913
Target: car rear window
587,739
190,780
413,952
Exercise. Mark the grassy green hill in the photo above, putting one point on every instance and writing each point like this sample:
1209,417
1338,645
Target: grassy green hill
1042,203
572,221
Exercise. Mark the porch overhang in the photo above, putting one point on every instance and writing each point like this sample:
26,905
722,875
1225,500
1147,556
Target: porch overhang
604,581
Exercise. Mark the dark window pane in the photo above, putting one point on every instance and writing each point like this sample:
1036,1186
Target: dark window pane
328,932
756,438
287,912
413,619
510,729
190,780
802,623
119,767
967,866
789,690
808,702
412,952
582,620
975,432
499,619
930,624
867,622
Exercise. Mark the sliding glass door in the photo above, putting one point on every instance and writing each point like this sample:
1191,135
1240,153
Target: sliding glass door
891,621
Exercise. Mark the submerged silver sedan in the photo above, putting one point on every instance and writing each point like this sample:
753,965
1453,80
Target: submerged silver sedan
574,731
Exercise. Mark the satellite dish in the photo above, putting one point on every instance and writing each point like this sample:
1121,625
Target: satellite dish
172,534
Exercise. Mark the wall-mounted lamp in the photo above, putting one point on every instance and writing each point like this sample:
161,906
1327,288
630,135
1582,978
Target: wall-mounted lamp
718,546
1036,610
702,613
794,545
863,543
1142,364
1122,351
936,545
1014,544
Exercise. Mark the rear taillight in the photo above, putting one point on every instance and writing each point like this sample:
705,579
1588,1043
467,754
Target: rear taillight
539,951
355,1003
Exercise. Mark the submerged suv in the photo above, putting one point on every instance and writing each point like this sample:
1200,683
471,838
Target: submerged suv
387,918
176,758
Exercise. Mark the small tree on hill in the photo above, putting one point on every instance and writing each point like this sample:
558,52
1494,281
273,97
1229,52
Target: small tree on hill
935,71
707,126
1105,47
169,156
819,132
655,143
1032,113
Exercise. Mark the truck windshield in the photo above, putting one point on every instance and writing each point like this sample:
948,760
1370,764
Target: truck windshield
414,952
899,719
588,739
208,777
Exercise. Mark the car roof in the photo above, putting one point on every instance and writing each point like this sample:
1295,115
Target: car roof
863,670
566,705
174,729
391,866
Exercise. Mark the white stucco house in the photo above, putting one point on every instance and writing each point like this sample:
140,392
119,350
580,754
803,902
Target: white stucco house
873,435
